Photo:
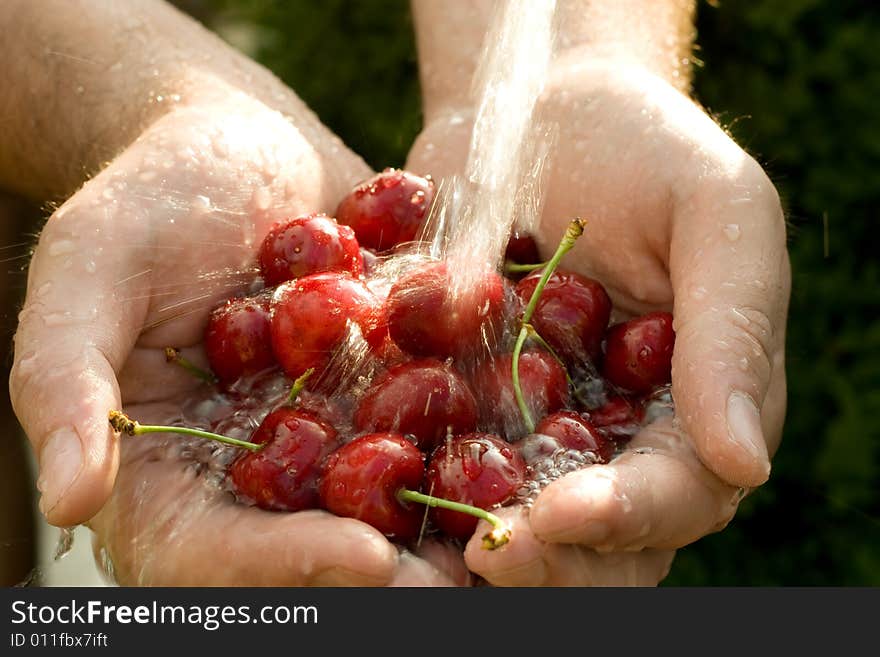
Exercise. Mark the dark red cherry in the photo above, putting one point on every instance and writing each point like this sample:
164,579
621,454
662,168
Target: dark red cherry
428,317
542,381
522,249
638,353
574,431
308,245
312,316
572,313
424,398
387,209
283,475
237,338
361,480
479,469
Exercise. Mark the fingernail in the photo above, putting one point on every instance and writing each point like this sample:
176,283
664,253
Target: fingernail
60,464
744,427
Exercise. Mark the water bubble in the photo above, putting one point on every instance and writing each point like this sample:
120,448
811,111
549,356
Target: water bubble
732,232
262,198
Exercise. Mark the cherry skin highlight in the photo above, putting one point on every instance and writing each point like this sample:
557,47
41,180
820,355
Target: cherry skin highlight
479,469
237,340
572,313
284,475
361,480
638,353
426,318
425,398
388,209
308,245
310,320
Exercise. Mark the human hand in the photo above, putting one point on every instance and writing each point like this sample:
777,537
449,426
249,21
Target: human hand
679,218
132,263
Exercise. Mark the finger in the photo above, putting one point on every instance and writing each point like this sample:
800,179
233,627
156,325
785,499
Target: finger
70,339
169,525
730,273
433,563
518,563
657,494
529,561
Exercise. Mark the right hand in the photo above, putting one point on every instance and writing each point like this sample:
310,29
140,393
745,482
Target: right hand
134,262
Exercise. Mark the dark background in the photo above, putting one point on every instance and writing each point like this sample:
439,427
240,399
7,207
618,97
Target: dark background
797,83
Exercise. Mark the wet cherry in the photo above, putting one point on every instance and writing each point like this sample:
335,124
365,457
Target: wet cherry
638,353
543,382
425,398
362,478
387,209
479,469
311,317
237,338
284,474
308,245
427,317
572,313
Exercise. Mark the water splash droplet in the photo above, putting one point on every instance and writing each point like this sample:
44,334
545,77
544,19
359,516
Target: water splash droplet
732,232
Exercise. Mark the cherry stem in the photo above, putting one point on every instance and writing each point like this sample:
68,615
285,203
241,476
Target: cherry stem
173,355
500,534
298,385
572,233
516,268
124,424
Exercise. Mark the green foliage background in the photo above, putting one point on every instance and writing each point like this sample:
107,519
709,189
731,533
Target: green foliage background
797,83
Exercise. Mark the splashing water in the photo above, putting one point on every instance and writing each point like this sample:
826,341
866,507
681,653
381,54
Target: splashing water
474,214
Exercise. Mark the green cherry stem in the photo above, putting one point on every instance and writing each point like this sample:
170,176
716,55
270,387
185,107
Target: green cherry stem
298,385
500,534
572,233
516,268
173,355
124,424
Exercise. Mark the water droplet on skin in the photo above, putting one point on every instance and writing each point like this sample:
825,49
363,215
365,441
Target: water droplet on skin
147,176
62,247
108,193
743,364
91,267
43,290
262,198
732,232
80,89
27,363
699,293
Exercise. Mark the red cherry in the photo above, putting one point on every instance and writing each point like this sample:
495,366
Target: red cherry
387,209
307,245
617,410
522,249
479,469
310,319
638,353
361,480
425,318
572,313
424,398
542,381
237,338
283,475
573,431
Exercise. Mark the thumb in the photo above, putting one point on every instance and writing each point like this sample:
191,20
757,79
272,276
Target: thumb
68,344
731,278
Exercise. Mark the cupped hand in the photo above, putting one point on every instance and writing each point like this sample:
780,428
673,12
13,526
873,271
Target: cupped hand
679,218
132,263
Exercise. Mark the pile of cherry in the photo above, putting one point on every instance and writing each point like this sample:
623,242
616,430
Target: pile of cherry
406,391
